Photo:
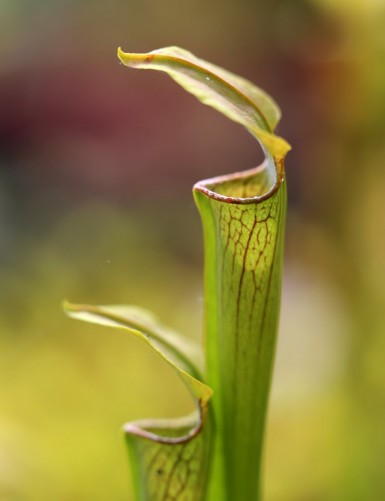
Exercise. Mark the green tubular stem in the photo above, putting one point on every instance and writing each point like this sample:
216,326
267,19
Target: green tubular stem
243,224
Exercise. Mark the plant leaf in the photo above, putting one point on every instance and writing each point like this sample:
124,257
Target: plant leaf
171,470
235,97
170,456
243,220
186,353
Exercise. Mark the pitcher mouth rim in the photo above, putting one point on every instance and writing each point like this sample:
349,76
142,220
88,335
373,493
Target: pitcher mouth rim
207,186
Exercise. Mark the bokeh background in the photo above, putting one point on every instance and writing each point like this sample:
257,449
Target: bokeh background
96,168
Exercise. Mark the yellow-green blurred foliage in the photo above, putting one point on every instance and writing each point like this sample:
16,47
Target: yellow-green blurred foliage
96,167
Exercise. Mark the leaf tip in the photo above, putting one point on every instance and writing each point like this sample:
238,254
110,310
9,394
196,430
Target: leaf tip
70,309
126,58
66,305
132,59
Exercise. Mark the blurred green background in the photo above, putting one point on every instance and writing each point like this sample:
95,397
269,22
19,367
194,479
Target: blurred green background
96,168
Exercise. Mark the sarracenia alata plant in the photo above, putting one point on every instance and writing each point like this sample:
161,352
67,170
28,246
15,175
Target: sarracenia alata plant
215,454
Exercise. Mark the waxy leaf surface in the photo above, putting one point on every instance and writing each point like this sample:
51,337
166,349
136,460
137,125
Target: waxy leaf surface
243,219
233,96
170,457
243,233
